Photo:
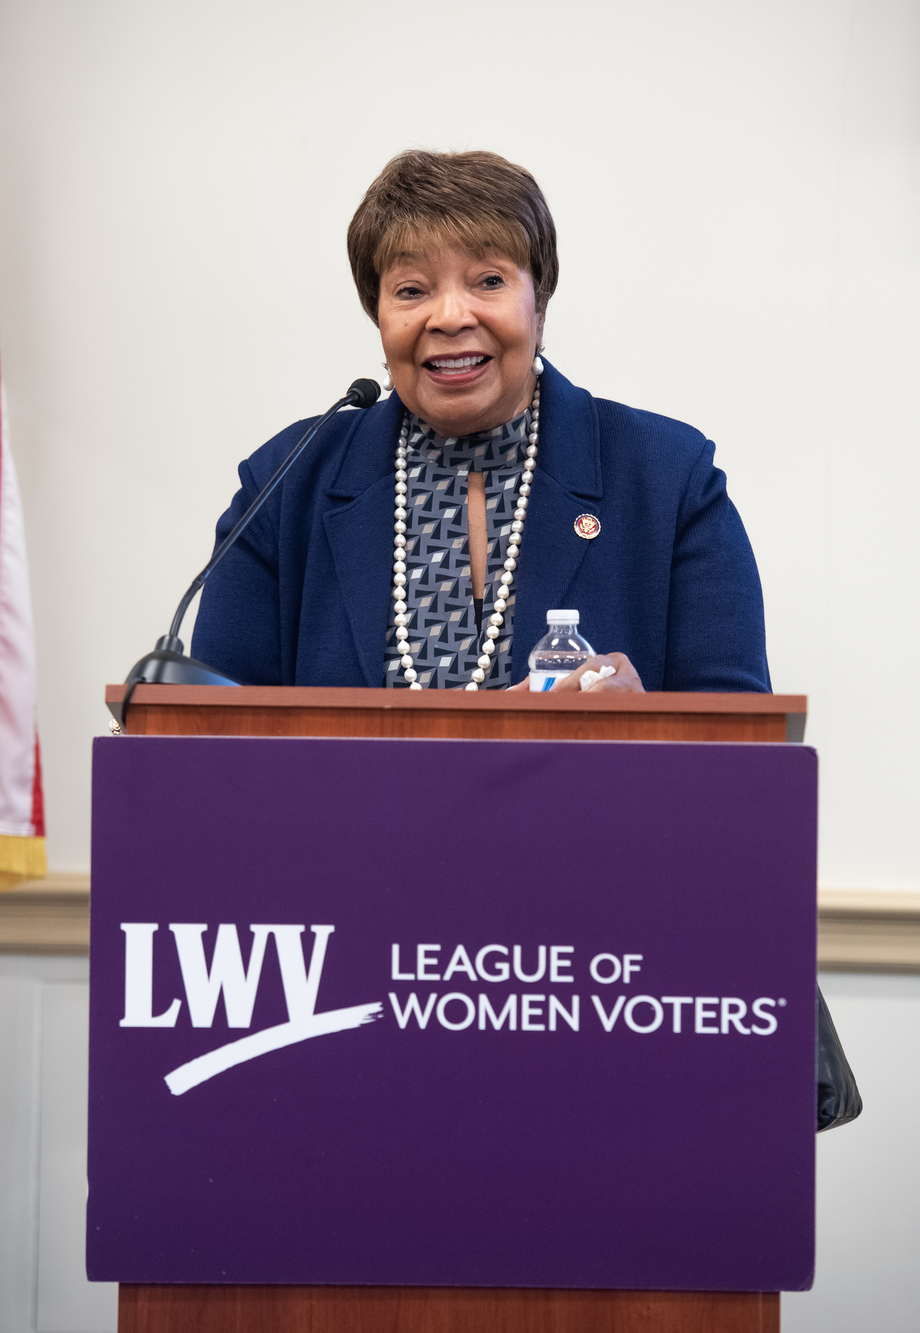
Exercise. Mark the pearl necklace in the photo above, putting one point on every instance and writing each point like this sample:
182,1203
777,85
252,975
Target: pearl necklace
400,570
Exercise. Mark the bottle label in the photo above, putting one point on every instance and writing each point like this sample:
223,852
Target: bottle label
545,680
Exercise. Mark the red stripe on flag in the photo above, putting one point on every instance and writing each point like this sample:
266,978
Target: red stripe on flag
38,795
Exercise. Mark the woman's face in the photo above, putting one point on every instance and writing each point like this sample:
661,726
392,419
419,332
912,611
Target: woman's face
459,335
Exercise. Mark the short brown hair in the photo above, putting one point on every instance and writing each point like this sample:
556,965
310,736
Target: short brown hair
475,200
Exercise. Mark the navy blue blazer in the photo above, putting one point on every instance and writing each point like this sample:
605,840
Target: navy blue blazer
670,580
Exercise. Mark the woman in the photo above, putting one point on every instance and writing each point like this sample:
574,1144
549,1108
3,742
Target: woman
420,544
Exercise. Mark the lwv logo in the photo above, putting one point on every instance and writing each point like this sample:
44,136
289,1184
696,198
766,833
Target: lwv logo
239,986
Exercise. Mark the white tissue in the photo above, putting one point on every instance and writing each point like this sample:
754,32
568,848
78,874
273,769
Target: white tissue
592,677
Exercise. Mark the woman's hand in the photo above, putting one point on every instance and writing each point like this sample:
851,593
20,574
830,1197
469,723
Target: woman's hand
625,677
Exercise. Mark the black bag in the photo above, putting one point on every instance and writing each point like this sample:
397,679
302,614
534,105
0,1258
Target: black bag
838,1095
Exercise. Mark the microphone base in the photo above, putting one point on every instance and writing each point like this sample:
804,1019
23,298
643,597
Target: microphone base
167,666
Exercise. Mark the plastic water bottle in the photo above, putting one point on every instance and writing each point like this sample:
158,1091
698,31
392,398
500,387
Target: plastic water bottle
561,651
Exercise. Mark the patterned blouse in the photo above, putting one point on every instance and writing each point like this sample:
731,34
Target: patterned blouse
443,637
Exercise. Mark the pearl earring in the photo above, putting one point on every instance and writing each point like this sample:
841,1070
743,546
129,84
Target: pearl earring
387,379
537,366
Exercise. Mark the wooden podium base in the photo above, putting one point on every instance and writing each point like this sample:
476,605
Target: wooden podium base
237,1309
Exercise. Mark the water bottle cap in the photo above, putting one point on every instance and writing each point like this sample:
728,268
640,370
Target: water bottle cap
562,617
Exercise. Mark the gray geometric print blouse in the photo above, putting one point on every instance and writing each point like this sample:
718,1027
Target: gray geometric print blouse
443,638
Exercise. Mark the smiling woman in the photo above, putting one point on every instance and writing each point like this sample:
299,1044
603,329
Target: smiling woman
460,332
395,553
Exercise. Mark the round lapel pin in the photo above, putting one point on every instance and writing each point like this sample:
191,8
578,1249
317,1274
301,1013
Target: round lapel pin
587,526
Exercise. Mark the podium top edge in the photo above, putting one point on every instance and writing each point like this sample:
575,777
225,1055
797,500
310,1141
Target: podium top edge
339,697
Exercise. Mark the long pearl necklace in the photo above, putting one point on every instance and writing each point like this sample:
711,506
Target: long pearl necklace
400,570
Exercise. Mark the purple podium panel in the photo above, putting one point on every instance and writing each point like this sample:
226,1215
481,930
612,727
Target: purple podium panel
453,1013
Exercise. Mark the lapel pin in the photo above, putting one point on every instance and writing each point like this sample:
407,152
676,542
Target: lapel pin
587,526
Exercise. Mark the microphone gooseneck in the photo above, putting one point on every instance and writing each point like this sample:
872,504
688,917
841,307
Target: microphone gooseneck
167,665
362,393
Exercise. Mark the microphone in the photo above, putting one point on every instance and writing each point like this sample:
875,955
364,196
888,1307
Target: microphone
167,665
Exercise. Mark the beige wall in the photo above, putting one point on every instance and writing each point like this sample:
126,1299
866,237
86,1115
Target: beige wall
737,188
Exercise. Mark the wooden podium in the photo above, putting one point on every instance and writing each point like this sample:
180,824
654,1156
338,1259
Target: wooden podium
258,711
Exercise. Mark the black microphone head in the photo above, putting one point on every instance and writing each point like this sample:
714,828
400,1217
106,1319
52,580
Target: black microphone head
363,393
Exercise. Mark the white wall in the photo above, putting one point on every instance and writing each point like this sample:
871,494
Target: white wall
866,1271
737,189
44,1034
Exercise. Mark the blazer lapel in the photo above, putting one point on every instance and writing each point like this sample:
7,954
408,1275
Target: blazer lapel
568,475
359,520
359,529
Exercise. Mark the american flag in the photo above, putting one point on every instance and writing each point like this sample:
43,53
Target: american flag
22,821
